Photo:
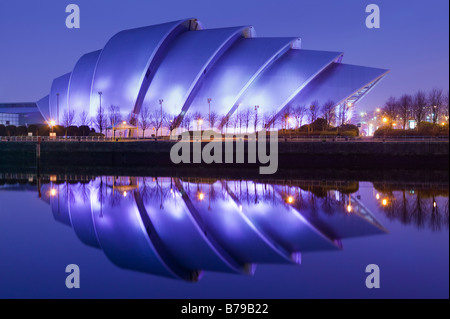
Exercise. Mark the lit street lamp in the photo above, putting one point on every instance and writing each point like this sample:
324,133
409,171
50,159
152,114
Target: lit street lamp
57,107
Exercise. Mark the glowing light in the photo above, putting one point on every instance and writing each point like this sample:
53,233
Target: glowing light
384,202
385,120
349,104
124,122
52,123
290,199
201,196
377,196
124,194
434,204
394,124
349,208
53,192
289,120
378,110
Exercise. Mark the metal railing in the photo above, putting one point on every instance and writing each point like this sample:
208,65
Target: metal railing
293,138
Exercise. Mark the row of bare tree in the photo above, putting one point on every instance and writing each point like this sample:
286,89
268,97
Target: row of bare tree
421,106
242,119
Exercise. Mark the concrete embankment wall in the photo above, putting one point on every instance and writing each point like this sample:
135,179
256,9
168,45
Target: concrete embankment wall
351,155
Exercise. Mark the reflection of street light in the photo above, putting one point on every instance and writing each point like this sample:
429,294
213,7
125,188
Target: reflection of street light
290,199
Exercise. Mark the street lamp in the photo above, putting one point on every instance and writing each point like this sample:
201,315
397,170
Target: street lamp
52,124
209,108
161,103
57,107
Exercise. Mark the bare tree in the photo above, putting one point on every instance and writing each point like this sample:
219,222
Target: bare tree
83,119
186,122
404,106
419,105
313,110
391,108
214,118
114,115
157,120
198,118
435,102
68,118
145,120
256,119
299,113
247,116
445,110
225,122
328,112
100,120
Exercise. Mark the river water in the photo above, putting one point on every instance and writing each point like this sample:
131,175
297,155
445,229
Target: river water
188,237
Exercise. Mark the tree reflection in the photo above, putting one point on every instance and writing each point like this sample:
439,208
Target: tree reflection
419,206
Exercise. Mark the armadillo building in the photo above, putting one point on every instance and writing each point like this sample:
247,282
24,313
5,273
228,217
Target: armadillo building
184,68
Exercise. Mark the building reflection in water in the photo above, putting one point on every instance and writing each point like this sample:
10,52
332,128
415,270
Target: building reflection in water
180,227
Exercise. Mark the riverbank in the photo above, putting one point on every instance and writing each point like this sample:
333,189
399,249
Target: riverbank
352,155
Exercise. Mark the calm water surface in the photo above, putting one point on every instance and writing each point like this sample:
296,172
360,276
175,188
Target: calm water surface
165,237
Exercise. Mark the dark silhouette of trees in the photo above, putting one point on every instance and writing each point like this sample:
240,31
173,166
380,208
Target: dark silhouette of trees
404,107
419,106
435,102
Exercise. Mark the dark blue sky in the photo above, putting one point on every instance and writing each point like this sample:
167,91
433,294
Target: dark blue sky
413,41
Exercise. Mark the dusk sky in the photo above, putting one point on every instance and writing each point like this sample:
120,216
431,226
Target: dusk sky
413,41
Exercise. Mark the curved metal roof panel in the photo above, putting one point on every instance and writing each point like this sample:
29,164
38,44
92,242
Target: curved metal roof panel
182,237
337,83
235,70
81,82
58,104
285,77
43,106
188,58
122,235
127,60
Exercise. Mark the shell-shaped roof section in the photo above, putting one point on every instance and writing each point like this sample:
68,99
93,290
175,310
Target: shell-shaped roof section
128,59
58,98
43,106
285,77
337,83
81,82
189,57
235,71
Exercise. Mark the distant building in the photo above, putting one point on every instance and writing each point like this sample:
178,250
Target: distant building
20,114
